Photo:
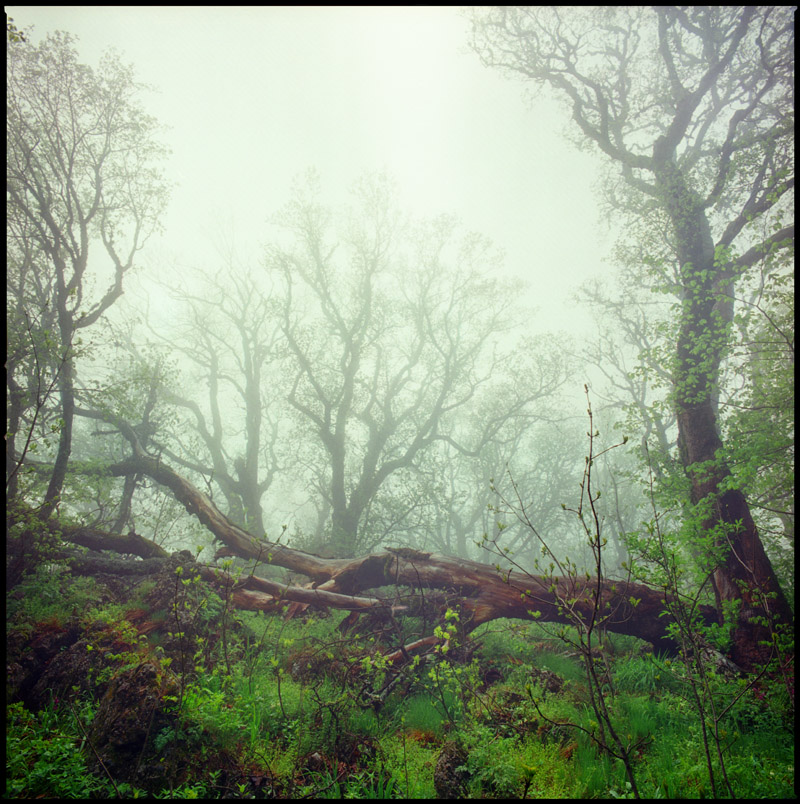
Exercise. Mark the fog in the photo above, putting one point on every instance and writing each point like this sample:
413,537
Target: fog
400,401
358,312
251,97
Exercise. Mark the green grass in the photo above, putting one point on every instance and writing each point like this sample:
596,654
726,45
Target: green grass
565,666
644,675
269,721
411,763
422,713
366,722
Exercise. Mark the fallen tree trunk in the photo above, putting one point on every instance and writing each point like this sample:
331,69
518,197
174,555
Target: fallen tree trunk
479,591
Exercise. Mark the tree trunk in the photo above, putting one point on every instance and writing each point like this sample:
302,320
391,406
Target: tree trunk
745,574
65,381
480,591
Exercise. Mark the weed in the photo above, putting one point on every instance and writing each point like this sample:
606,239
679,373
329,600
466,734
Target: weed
368,784
44,758
564,666
516,768
366,722
412,761
644,674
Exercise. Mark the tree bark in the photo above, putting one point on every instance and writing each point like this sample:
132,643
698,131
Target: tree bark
480,592
745,573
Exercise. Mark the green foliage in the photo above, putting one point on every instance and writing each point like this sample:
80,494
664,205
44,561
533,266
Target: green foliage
367,784
564,666
420,712
30,541
763,767
13,34
45,757
508,639
259,713
49,594
366,722
109,613
208,710
644,674
545,771
758,429
596,774
674,766
272,702
411,763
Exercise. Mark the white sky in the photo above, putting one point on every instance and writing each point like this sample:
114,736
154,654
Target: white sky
254,96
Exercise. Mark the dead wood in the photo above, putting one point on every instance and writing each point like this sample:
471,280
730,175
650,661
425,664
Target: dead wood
479,591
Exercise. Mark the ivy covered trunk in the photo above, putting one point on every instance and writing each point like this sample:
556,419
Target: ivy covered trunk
722,527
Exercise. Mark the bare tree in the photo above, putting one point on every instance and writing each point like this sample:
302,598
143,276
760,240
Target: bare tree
394,330
228,329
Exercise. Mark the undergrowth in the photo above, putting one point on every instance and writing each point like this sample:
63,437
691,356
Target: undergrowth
299,713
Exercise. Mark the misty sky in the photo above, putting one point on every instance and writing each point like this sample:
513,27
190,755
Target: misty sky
252,97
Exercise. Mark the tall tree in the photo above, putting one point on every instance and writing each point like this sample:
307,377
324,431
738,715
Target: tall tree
229,332
81,171
393,330
694,106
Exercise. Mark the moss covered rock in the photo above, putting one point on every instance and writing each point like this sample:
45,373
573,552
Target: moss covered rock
450,775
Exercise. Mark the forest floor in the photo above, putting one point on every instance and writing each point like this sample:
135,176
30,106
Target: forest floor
161,689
